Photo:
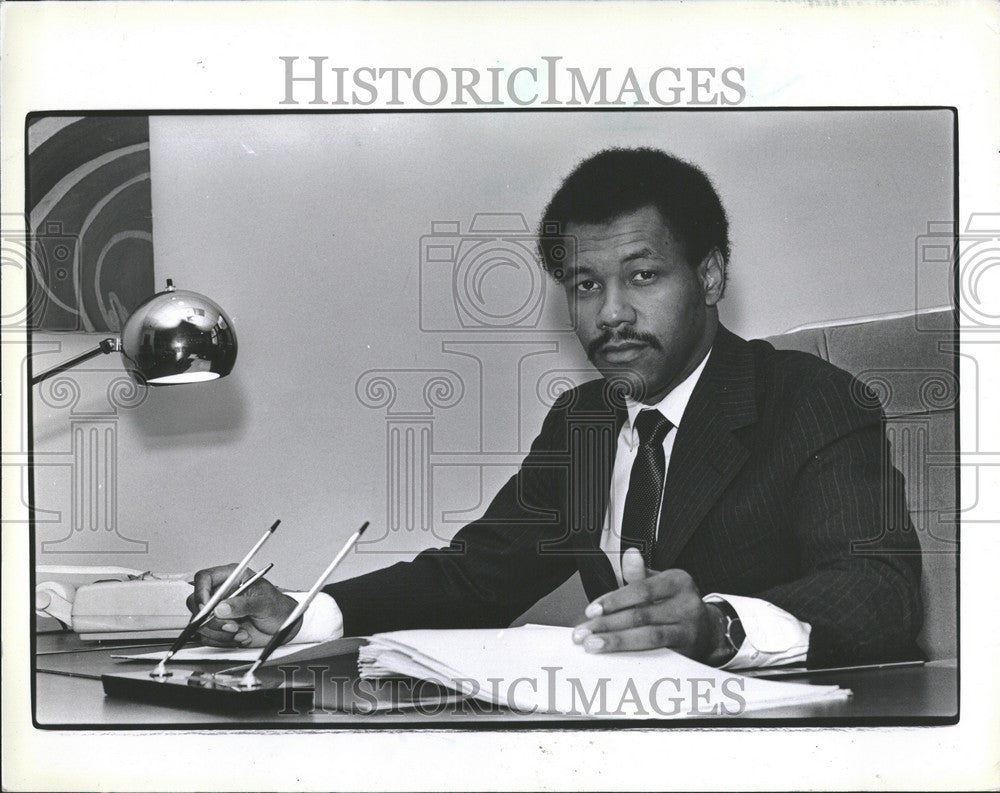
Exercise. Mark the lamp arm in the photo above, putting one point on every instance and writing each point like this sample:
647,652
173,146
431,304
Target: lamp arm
105,347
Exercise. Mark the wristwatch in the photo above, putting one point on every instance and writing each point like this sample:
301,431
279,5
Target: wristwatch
733,631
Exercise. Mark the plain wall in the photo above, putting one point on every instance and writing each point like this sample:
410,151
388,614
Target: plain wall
307,229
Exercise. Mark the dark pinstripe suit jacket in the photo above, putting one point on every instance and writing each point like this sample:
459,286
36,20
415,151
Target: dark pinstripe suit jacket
780,486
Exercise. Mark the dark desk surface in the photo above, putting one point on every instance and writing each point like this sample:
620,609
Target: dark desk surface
68,692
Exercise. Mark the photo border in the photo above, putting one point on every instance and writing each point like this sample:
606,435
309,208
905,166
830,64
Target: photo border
517,722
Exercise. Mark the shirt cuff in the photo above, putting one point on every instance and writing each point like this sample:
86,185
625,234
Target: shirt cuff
773,636
322,621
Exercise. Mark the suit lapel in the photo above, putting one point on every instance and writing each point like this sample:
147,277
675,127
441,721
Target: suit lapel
706,455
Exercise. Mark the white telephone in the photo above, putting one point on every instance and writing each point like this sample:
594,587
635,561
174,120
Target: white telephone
113,602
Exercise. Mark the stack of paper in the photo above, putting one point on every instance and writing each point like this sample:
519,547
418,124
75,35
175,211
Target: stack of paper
538,669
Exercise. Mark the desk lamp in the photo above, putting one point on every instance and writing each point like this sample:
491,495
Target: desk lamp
173,337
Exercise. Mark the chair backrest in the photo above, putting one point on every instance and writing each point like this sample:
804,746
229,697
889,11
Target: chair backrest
910,363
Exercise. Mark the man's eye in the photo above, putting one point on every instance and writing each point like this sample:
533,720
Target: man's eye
643,276
586,286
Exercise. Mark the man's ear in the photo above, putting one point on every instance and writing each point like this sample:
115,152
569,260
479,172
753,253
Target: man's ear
712,274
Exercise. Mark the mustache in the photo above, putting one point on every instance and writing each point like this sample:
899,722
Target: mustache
625,334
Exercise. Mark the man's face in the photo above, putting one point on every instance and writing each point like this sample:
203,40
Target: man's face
641,310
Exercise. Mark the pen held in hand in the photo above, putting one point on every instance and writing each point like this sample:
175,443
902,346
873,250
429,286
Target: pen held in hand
217,597
239,591
251,581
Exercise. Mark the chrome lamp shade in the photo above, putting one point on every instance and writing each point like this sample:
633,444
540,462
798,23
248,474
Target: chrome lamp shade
174,337
177,336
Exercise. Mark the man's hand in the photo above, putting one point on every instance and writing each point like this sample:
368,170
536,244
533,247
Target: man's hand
653,610
248,620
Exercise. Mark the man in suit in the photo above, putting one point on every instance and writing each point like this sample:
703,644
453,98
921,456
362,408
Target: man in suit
718,497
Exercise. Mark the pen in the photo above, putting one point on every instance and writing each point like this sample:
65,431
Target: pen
252,580
239,591
217,597
300,609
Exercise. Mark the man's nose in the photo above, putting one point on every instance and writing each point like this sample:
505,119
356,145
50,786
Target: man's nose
616,310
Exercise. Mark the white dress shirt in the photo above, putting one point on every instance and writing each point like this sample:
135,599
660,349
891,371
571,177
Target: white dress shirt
773,636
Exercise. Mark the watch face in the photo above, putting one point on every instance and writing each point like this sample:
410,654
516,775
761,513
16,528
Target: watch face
735,632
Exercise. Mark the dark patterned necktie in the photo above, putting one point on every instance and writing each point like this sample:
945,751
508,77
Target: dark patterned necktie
645,485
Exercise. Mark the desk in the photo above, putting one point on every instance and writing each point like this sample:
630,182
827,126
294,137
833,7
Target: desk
69,693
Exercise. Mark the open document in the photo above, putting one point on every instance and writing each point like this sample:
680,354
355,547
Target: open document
538,669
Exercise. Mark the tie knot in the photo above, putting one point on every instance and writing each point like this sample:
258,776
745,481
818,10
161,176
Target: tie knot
652,427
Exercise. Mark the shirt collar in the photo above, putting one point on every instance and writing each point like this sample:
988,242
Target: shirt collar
673,404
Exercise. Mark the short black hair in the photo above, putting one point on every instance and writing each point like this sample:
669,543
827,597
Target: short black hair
617,181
